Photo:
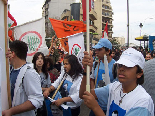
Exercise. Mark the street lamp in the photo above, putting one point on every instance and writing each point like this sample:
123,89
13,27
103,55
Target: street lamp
141,25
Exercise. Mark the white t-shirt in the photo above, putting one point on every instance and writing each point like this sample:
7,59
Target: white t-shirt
135,103
71,87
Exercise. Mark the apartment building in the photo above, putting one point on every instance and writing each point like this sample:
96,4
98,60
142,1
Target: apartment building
54,9
104,13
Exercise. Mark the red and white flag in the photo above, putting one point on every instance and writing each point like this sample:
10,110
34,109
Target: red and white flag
11,23
84,8
105,33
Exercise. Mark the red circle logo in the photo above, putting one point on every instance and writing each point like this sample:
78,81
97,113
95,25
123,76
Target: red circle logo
75,49
33,40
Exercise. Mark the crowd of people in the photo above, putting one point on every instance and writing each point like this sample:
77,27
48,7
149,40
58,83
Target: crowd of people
61,77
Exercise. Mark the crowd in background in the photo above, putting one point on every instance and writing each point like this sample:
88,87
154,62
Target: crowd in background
58,66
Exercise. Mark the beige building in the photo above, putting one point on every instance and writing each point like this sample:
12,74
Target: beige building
121,40
92,17
104,13
54,9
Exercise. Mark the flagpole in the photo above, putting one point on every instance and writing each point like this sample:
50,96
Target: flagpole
6,48
88,46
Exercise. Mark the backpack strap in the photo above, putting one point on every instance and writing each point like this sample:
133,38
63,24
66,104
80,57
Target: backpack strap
28,67
64,77
97,72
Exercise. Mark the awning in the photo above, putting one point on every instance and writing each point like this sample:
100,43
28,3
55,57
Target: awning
142,38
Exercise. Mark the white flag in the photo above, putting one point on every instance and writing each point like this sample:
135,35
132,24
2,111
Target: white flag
33,33
76,46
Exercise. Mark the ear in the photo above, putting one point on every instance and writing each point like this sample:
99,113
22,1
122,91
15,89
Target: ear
107,52
13,54
140,74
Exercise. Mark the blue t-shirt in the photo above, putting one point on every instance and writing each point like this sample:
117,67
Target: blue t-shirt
13,76
102,71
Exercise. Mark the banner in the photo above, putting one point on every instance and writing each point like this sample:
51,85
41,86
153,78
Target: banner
105,33
151,43
67,28
33,33
4,104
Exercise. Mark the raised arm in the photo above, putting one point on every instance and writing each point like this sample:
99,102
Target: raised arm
87,60
51,44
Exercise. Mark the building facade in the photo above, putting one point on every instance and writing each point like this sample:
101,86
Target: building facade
104,13
76,13
54,9
120,40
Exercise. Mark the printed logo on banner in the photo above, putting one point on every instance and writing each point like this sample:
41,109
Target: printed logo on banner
34,41
75,49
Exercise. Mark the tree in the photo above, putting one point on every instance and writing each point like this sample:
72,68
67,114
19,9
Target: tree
115,43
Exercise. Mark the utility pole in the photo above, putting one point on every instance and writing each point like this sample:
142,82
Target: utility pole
127,23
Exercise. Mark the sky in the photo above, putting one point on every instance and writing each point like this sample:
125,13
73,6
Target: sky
140,11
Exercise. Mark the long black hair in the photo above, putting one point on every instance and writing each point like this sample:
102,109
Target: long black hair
76,67
44,67
140,80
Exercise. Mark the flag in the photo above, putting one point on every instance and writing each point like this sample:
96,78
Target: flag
32,33
84,8
11,23
76,46
105,33
64,44
67,28
73,31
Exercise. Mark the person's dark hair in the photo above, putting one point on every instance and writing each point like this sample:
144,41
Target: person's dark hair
20,48
140,80
50,61
152,52
62,52
76,67
107,49
44,67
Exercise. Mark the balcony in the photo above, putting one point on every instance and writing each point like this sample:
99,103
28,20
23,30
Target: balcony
66,14
46,6
92,14
92,28
107,9
106,15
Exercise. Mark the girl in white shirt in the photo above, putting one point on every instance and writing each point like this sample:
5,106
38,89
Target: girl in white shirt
72,74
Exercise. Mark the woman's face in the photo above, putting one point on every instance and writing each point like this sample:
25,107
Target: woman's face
39,61
67,66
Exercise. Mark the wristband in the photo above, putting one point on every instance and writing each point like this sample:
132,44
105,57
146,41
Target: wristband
84,73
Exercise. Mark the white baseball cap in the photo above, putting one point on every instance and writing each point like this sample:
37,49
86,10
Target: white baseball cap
131,58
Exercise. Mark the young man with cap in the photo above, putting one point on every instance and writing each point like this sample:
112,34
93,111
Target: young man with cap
104,46
125,97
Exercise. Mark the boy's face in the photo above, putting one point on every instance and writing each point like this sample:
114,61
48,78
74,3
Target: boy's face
127,75
100,53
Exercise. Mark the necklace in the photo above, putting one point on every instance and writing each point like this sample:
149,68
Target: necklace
120,101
